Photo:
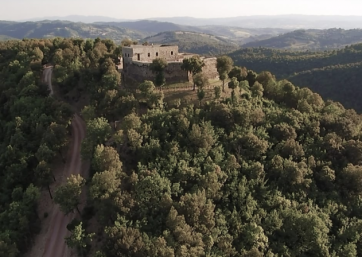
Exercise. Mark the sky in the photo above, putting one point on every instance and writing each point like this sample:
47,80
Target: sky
140,9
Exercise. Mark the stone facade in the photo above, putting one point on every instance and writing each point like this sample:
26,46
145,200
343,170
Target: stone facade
137,59
148,53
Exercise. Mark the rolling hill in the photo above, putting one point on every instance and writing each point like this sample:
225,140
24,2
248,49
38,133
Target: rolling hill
334,74
194,42
290,21
50,29
235,34
311,39
4,38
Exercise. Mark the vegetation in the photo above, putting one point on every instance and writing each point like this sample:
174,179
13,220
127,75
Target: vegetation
34,126
311,39
270,170
52,29
333,74
34,130
263,169
193,65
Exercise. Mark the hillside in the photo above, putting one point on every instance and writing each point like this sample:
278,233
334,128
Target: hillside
291,21
149,27
193,42
50,29
4,38
264,169
267,169
333,74
311,39
235,34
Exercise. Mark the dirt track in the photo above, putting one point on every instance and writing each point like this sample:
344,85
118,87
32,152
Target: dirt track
47,76
55,245
50,241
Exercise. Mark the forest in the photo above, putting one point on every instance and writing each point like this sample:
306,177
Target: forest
333,74
265,169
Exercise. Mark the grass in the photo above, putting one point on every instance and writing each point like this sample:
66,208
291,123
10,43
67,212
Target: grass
183,93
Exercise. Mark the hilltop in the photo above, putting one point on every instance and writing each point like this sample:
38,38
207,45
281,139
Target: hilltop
311,39
50,29
193,42
334,74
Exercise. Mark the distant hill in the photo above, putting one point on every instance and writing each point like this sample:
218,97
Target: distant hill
291,21
136,30
335,74
311,39
77,18
49,29
150,27
235,34
274,21
4,37
194,42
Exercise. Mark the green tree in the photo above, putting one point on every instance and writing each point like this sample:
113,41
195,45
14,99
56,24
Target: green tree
98,131
193,65
79,239
146,88
67,195
158,67
224,64
217,92
239,73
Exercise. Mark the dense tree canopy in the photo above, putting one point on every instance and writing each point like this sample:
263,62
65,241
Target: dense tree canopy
270,170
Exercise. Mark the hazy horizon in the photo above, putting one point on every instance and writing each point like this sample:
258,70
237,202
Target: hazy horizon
142,9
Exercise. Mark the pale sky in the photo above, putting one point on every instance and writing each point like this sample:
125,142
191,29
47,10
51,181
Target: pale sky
139,9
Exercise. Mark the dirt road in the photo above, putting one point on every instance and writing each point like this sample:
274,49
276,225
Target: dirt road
55,245
47,76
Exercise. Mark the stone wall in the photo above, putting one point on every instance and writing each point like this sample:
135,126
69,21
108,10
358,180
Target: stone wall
149,53
140,72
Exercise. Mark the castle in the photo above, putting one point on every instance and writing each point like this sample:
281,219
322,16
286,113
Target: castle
136,60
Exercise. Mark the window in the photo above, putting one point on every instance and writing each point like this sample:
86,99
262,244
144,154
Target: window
128,55
138,57
156,53
171,52
149,55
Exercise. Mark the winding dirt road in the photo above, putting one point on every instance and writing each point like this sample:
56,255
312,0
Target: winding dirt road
55,245
50,242
47,76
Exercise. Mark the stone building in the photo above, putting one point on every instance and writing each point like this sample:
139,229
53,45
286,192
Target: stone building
137,59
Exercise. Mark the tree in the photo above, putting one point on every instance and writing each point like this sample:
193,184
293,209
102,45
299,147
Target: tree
158,67
234,83
67,195
224,64
146,88
106,158
217,92
193,65
44,176
98,131
200,94
200,80
238,72
79,239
